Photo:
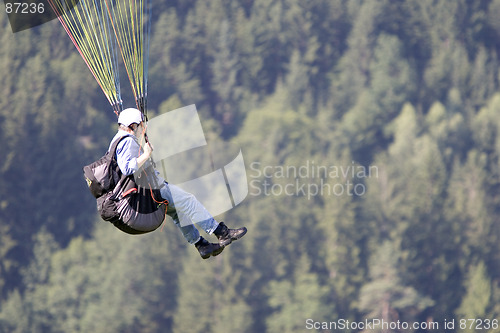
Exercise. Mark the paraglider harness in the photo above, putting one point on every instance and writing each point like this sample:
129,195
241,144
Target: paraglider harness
120,199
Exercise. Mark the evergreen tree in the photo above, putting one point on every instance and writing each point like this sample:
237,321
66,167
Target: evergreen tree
354,65
225,70
386,297
477,298
6,265
27,311
296,299
391,82
209,299
344,233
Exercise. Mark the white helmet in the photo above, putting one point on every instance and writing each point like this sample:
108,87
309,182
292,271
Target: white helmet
130,116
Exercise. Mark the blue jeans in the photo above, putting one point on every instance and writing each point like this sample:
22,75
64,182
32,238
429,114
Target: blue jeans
186,210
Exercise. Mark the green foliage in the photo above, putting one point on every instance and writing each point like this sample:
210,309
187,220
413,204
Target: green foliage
408,88
112,283
209,298
386,297
296,299
477,298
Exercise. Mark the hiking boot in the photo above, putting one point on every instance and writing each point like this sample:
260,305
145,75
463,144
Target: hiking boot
226,235
208,249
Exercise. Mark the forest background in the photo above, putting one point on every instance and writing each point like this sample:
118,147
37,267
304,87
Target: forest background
406,89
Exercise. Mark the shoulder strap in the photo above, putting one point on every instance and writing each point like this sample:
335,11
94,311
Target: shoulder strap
114,163
113,147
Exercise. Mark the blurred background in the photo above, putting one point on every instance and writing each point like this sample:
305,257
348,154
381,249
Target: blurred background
400,98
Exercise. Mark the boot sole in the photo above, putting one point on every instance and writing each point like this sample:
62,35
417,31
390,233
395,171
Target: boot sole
213,254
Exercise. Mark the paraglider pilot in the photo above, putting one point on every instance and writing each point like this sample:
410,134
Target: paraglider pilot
131,158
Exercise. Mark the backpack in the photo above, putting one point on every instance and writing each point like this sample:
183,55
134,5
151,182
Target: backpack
131,207
103,174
